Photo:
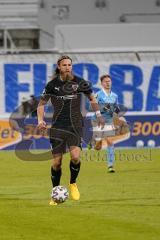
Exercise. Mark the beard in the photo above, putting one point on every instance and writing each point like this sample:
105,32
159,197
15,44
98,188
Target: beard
67,76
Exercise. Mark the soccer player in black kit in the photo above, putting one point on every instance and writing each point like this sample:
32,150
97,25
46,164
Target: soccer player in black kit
64,91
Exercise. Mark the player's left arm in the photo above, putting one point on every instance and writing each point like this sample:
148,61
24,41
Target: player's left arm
119,120
96,109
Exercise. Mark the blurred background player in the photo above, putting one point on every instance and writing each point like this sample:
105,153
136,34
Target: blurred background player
25,106
29,106
111,111
64,91
33,105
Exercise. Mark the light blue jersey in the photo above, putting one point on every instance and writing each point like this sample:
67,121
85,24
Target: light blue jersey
104,98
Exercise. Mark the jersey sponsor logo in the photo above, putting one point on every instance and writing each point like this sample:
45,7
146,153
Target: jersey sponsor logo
57,88
75,87
70,87
8,136
67,97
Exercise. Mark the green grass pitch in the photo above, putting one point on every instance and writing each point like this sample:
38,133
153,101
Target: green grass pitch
120,206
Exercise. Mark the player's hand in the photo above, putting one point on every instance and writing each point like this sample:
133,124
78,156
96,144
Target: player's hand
42,125
100,121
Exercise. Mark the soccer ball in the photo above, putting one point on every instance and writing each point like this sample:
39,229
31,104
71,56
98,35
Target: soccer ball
151,143
59,194
139,144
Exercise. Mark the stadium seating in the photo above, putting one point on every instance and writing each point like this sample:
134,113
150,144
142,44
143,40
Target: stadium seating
18,13
18,24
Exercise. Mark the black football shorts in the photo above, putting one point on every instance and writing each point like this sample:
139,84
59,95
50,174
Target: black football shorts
63,138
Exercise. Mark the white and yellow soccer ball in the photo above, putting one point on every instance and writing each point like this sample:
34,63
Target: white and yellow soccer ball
139,144
59,194
151,143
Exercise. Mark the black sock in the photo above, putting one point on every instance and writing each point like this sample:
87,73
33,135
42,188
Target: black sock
74,169
55,176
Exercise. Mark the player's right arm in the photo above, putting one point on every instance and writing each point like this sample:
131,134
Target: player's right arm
40,114
40,109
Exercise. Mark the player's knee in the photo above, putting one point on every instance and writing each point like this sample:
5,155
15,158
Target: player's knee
98,145
125,129
56,164
56,167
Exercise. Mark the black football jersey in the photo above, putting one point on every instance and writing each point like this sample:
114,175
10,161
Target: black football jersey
65,97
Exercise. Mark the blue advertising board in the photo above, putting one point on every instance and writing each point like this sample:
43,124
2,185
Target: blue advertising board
137,85
142,127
